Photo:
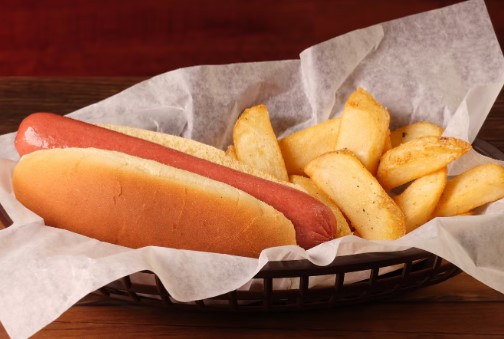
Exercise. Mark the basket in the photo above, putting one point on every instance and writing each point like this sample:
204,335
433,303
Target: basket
413,269
382,275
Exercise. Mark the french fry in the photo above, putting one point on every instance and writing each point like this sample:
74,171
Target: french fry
353,160
363,130
419,199
231,152
418,157
473,188
358,194
256,144
301,147
311,188
466,214
413,131
388,142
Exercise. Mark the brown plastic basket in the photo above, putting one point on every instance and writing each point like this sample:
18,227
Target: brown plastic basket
405,271
413,269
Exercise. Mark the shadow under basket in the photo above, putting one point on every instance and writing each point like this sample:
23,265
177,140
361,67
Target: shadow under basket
382,275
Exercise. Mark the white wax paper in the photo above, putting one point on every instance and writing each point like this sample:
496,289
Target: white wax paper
443,66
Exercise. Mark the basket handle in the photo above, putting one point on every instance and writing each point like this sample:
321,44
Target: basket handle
5,219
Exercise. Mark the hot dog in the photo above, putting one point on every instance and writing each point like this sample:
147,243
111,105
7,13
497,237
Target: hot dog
313,221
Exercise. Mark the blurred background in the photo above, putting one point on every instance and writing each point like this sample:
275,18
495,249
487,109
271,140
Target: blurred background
148,37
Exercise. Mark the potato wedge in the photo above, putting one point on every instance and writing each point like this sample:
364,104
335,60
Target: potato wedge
413,131
358,194
388,142
364,128
311,188
473,188
466,214
418,157
256,144
231,152
301,147
419,199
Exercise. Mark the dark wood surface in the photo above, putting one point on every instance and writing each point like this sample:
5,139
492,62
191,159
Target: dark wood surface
148,37
460,307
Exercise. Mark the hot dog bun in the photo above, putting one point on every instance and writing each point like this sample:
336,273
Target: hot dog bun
134,202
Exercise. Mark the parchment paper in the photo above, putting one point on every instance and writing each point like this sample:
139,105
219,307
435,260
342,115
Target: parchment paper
444,66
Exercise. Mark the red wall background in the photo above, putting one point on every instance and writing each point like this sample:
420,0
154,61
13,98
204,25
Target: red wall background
148,37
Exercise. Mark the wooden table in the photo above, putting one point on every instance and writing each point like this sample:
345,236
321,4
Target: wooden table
460,307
